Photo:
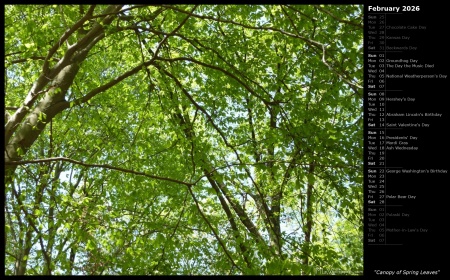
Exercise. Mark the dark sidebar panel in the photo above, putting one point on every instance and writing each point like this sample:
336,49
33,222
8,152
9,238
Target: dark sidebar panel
406,147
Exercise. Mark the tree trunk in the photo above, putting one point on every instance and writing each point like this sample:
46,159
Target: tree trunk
25,126
309,217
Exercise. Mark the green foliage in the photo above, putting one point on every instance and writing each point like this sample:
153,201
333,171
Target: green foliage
209,139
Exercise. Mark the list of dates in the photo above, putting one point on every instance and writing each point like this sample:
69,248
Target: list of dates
406,148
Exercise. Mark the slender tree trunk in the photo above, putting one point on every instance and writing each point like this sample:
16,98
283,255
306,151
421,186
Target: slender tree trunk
22,260
309,216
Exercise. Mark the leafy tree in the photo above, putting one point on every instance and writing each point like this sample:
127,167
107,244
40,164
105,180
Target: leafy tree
183,139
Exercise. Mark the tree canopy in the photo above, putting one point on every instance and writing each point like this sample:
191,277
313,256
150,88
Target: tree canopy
183,139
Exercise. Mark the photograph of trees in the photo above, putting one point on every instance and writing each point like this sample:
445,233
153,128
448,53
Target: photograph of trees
183,139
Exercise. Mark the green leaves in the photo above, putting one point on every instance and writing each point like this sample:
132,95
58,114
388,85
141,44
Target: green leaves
238,103
90,245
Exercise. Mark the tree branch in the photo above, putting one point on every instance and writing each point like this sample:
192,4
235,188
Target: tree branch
106,166
212,229
65,36
337,18
30,58
309,41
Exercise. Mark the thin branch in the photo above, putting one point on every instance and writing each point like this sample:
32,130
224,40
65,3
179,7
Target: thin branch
106,166
30,58
309,41
354,86
212,229
12,108
290,162
337,18
110,84
13,53
133,71
65,36
229,74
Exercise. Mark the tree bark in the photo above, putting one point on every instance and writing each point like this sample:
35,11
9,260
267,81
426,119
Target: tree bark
309,217
25,126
